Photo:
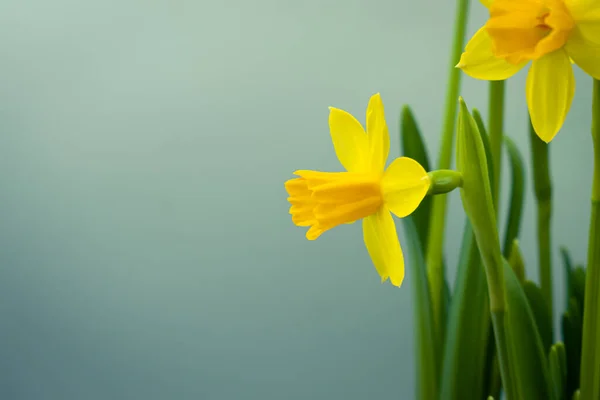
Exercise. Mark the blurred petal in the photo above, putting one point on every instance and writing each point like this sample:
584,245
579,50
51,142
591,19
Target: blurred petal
583,10
349,140
377,131
381,239
404,185
487,3
550,89
583,47
479,62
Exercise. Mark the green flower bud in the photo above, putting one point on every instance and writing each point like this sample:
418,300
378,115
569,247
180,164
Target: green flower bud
443,181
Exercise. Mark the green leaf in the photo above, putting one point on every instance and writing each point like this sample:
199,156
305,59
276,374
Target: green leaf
513,221
576,395
572,329
447,297
528,361
577,286
414,147
428,355
467,332
541,313
493,380
486,144
568,264
516,261
558,370
476,196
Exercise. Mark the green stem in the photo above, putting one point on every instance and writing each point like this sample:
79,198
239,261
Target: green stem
435,270
543,194
495,129
590,352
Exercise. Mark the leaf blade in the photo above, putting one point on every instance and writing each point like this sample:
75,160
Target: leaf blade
427,351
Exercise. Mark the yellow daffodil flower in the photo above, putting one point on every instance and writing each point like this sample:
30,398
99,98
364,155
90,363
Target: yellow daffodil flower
552,34
367,191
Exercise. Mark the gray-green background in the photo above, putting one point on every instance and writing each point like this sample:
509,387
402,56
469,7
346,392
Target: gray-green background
146,251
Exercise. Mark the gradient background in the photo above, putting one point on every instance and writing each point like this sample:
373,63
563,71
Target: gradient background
146,247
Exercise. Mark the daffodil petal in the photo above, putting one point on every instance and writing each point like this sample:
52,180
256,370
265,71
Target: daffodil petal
381,239
479,62
487,3
583,10
404,185
377,132
550,89
349,140
583,47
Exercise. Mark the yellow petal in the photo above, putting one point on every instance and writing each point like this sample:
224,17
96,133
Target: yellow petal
479,62
487,3
349,140
550,89
583,47
381,239
583,10
377,131
404,185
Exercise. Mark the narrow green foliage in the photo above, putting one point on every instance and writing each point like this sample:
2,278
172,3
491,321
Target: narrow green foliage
572,328
577,285
413,146
493,381
467,333
478,205
486,145
466,365
558,370
528,362
568,264
477,202
427,351
540,311
516,261
517,195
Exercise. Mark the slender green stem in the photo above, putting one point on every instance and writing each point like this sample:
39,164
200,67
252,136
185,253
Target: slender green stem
543,194
435,270
495,129
590,352
495,132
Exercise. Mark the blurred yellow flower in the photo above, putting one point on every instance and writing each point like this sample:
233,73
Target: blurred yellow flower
367,191
552,34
